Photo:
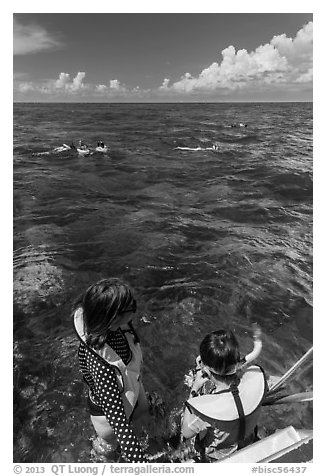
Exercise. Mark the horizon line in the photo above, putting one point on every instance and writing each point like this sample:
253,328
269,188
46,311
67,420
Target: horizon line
158,102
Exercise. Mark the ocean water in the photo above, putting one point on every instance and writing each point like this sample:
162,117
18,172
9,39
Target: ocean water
206,239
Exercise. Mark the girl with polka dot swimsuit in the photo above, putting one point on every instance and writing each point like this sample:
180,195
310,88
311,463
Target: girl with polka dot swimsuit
110,359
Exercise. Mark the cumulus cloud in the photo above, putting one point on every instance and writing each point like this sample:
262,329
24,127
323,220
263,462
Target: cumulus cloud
32,39
305,77
117,89
68,85
165,84
77,82
64,82
101,88
298,52
25,87
298,48
282,60
116,85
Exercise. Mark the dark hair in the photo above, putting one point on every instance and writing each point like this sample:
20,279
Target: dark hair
219,350
101,303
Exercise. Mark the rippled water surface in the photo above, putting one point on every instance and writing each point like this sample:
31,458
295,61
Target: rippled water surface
207,239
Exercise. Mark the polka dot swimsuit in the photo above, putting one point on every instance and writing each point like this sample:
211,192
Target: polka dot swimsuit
119,344
102,382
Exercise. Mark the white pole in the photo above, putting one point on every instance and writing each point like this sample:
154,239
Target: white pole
295,398
288,374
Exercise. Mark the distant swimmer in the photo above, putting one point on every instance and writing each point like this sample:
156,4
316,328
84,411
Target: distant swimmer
101,147
240,124
62,148
82,145
214,147
42,153
189,148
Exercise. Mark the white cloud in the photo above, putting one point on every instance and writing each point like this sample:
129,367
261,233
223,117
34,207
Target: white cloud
66,85
32,39
165,84
297,48
26,87
115,84
306,77
77,82
101,88
282,60
298,52
63,80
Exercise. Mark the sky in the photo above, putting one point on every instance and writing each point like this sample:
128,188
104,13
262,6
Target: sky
162,57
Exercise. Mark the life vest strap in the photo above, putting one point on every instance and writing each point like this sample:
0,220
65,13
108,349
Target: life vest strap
242,420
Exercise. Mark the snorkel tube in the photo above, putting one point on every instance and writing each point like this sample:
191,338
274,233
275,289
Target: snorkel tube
258,345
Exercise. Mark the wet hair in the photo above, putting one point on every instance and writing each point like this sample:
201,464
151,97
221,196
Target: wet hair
101,303
219,350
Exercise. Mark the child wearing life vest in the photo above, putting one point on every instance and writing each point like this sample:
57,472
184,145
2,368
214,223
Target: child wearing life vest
226,397
110,359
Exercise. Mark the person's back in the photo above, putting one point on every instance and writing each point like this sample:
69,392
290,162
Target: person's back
225,402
